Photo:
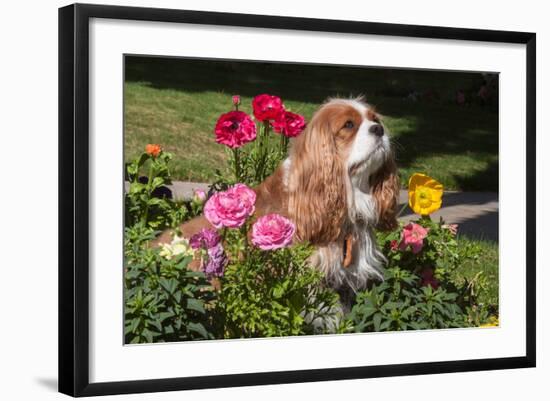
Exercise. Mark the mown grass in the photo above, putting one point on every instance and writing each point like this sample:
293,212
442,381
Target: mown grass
482,270
176,103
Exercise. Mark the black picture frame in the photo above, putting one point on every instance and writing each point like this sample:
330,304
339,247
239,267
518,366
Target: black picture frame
74,198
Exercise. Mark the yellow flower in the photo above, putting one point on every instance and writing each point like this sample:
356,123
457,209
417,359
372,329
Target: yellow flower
493,322
424,194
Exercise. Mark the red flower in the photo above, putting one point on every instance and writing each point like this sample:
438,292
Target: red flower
267,107
234,129
153,149
289,124
236,100
428,278
394,245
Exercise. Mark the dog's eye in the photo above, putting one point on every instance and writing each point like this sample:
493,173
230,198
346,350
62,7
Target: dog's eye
349,124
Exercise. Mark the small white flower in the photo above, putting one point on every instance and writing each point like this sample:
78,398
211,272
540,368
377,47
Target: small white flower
178,246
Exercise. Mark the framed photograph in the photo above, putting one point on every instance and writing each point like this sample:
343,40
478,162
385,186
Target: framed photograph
252,199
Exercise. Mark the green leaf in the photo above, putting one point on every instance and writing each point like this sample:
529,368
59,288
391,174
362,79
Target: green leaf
376,320
197,328
196,305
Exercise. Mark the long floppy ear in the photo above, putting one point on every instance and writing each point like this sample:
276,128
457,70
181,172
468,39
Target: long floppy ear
317,194
385,190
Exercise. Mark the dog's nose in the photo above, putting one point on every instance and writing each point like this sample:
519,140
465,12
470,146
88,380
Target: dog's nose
376,129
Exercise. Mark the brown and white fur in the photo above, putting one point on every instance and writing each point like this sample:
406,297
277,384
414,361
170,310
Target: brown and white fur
337,185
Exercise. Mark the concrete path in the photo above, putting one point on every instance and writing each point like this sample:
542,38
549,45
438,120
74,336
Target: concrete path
476,213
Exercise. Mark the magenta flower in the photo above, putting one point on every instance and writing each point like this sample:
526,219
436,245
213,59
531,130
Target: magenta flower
267,107
234,129
230,208
289,124
236,100
272,231
413,235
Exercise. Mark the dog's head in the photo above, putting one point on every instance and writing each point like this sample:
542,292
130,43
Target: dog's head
344,149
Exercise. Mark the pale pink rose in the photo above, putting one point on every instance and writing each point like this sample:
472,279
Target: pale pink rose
272,231
267,107
230,208
234,129
413,235
289,124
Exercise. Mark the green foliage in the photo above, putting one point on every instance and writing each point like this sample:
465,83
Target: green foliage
399,303
164,300
276,293
425,290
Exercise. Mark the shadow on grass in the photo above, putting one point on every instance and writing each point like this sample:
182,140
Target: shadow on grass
430,125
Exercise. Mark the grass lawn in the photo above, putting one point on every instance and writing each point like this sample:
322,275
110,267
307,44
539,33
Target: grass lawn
176,103
487,263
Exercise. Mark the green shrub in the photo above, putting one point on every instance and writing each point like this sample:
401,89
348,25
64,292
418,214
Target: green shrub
164,300
276,293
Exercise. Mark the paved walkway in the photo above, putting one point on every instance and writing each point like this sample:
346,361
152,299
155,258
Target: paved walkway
476,213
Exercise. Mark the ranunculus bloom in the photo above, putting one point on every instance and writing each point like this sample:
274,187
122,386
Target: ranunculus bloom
178,246
267,107
272,231
205,238
424,194
428,278
413,235
230,208
153,149
289,124
234,129
236,100
199,195
216,259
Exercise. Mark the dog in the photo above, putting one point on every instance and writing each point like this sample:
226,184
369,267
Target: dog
338,184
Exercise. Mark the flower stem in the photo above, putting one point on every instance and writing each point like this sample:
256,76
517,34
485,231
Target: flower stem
149,192
237,165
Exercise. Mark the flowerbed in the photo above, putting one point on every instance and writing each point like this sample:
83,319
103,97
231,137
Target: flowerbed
252,279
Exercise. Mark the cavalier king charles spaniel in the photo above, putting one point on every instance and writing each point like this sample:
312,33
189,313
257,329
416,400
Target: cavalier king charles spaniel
337,185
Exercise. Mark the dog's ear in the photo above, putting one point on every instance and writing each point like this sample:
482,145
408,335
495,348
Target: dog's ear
385,190
317,193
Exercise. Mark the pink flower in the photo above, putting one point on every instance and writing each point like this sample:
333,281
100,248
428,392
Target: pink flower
236,100
267,107
394,245
453,228
289,124
234,129
413,235
230,208
272,231
428,278
199,196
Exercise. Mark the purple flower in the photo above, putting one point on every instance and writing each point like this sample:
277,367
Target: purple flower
206,238
216,260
